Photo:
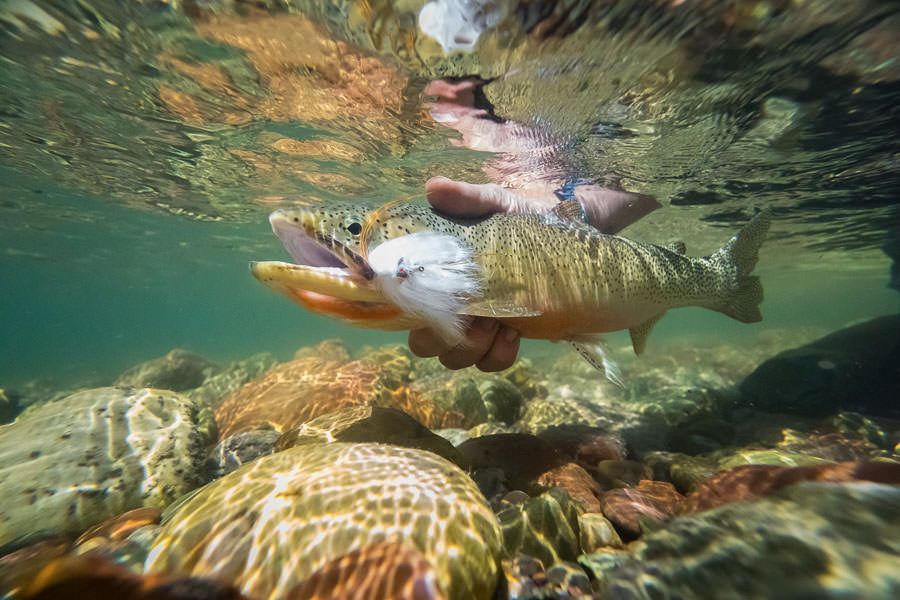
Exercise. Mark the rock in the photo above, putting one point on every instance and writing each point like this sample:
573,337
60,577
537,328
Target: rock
586,445
621,473
390,570
524,576
812,540
855,426
502,399
491,482
545,527
685,472
179,370
570,580
489,428
597,532
753,481
528,380
454,435
298,391
94,575
239,449
453,393
216,387
576,481
19,568
271,524
371,424
856,368
769,457
9,406
542,413
72,463
626,508
120,527
827,446
521,457
334,350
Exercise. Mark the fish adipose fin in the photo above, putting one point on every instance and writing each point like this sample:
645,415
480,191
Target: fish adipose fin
738,258
431,276
597,354
640,332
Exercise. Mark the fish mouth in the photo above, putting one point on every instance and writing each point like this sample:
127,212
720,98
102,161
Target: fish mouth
321,265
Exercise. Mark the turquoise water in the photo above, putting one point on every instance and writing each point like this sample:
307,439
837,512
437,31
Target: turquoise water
143,146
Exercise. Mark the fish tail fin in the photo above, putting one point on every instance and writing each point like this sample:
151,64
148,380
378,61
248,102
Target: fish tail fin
737,259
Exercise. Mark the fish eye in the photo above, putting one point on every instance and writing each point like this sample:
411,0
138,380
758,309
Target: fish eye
354,228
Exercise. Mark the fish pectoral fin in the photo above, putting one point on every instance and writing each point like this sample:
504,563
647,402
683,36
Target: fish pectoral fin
597,354
640,332
498,309
677,246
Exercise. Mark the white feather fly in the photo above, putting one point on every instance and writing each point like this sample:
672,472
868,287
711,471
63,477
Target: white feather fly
430,275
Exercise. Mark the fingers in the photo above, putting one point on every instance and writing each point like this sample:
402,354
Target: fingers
460,199
488,345
426,343
503,351
479,339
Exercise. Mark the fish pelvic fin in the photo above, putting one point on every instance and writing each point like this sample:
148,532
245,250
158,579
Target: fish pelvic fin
597,354
737,259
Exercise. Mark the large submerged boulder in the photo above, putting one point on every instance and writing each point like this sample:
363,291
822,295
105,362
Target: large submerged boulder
812,540
69,464
277,521
178,370
856,368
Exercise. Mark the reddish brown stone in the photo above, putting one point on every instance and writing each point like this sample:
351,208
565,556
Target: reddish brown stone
576,481
120,527
298,391
19,567
625,507
754,481
587,445
522,457
100,578
392,571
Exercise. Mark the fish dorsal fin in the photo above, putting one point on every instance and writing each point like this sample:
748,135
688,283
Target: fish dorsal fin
568,210
498,309
596,353
678,247
640,332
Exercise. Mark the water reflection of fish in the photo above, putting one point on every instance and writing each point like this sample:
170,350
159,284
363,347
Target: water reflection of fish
548,276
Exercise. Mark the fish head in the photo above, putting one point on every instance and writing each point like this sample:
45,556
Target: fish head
329,273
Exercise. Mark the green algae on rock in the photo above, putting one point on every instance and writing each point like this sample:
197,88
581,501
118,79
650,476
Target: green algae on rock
178,370
545,527
271,524
813,540
69,464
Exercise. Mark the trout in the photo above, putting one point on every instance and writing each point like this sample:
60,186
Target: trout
549,276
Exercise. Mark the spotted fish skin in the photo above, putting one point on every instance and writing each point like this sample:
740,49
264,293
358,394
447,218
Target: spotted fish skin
556,278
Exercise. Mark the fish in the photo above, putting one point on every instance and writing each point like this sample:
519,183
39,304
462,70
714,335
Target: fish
549,276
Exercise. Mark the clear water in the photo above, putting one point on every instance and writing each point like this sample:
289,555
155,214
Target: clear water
143,144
